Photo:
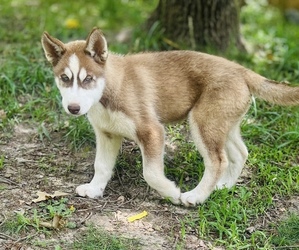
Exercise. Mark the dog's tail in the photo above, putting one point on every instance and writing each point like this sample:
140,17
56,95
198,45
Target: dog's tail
272,91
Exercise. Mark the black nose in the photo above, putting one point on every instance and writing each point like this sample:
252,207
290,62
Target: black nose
73,108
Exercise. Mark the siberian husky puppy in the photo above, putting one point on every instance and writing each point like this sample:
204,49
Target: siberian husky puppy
132,96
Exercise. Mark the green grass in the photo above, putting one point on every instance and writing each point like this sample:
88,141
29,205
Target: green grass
92,238
43,212
29,95
287,232
96,238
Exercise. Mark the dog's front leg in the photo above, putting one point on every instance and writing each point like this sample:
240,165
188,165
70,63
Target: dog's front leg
108,146
151,142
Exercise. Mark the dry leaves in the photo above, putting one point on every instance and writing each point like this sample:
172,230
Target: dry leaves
56,223
43,196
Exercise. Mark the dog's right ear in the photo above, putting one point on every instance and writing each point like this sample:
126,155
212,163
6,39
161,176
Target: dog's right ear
53,48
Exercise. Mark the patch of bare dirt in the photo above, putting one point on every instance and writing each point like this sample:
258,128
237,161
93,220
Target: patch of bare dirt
33,165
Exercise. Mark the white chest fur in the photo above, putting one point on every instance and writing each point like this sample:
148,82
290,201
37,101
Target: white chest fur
114,122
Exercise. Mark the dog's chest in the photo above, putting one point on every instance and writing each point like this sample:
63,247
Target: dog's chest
114,122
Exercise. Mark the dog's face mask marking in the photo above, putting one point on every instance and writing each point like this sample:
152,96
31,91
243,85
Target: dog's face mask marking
79,89
78,68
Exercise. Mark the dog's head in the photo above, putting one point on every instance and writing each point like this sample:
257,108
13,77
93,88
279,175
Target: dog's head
79,70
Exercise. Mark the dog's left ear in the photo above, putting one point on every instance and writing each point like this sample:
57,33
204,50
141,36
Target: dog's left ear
96,46
53,48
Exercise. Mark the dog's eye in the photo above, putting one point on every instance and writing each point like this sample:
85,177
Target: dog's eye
88,79
64,78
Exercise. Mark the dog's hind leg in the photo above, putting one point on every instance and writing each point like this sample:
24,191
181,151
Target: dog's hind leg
212,121
237,156
151,142
210,141
108,146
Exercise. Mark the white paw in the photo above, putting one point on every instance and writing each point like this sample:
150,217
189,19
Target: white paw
174,197
171,193
90,191
190,198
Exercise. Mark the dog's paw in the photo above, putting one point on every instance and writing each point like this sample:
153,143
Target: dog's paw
190,199
90,191
173,195
175,198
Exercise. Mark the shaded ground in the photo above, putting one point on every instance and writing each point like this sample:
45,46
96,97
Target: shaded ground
32,165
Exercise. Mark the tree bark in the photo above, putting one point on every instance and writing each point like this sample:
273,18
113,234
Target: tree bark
199,24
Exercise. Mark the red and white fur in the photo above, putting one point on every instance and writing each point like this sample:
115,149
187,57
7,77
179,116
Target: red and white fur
132,96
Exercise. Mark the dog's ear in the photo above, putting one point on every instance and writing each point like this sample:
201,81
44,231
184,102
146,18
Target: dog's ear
53,48
96,46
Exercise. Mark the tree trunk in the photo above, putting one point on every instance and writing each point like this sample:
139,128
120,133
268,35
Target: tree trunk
199,24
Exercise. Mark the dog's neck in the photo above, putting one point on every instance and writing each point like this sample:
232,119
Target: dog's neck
113,64
104,101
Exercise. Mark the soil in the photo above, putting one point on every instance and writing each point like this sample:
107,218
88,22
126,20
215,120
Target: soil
32,165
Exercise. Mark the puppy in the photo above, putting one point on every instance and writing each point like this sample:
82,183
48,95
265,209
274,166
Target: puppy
132,96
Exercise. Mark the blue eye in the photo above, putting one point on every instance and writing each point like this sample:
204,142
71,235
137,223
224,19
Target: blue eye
88,79
64,78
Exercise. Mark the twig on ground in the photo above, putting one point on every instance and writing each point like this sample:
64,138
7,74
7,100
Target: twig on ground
119,179
175,242
144,197
91,208
26,237
3,221
114,191
5,236
128,201
86,218
7,181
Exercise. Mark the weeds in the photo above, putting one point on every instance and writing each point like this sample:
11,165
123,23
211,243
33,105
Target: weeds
95,238
46,211
287,232
1,162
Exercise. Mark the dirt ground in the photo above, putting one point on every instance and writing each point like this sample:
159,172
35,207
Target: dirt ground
32,165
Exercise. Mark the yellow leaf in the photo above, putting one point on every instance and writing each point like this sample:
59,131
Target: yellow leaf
137,216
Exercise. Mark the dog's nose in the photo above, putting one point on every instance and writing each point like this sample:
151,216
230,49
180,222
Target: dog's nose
73,108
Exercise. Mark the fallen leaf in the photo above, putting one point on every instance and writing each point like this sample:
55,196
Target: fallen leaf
56,221
59,193
43,196
45,224
137,216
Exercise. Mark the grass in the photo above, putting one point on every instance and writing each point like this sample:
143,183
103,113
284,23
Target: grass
287,232
96,238
41,220
230,218
42,213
